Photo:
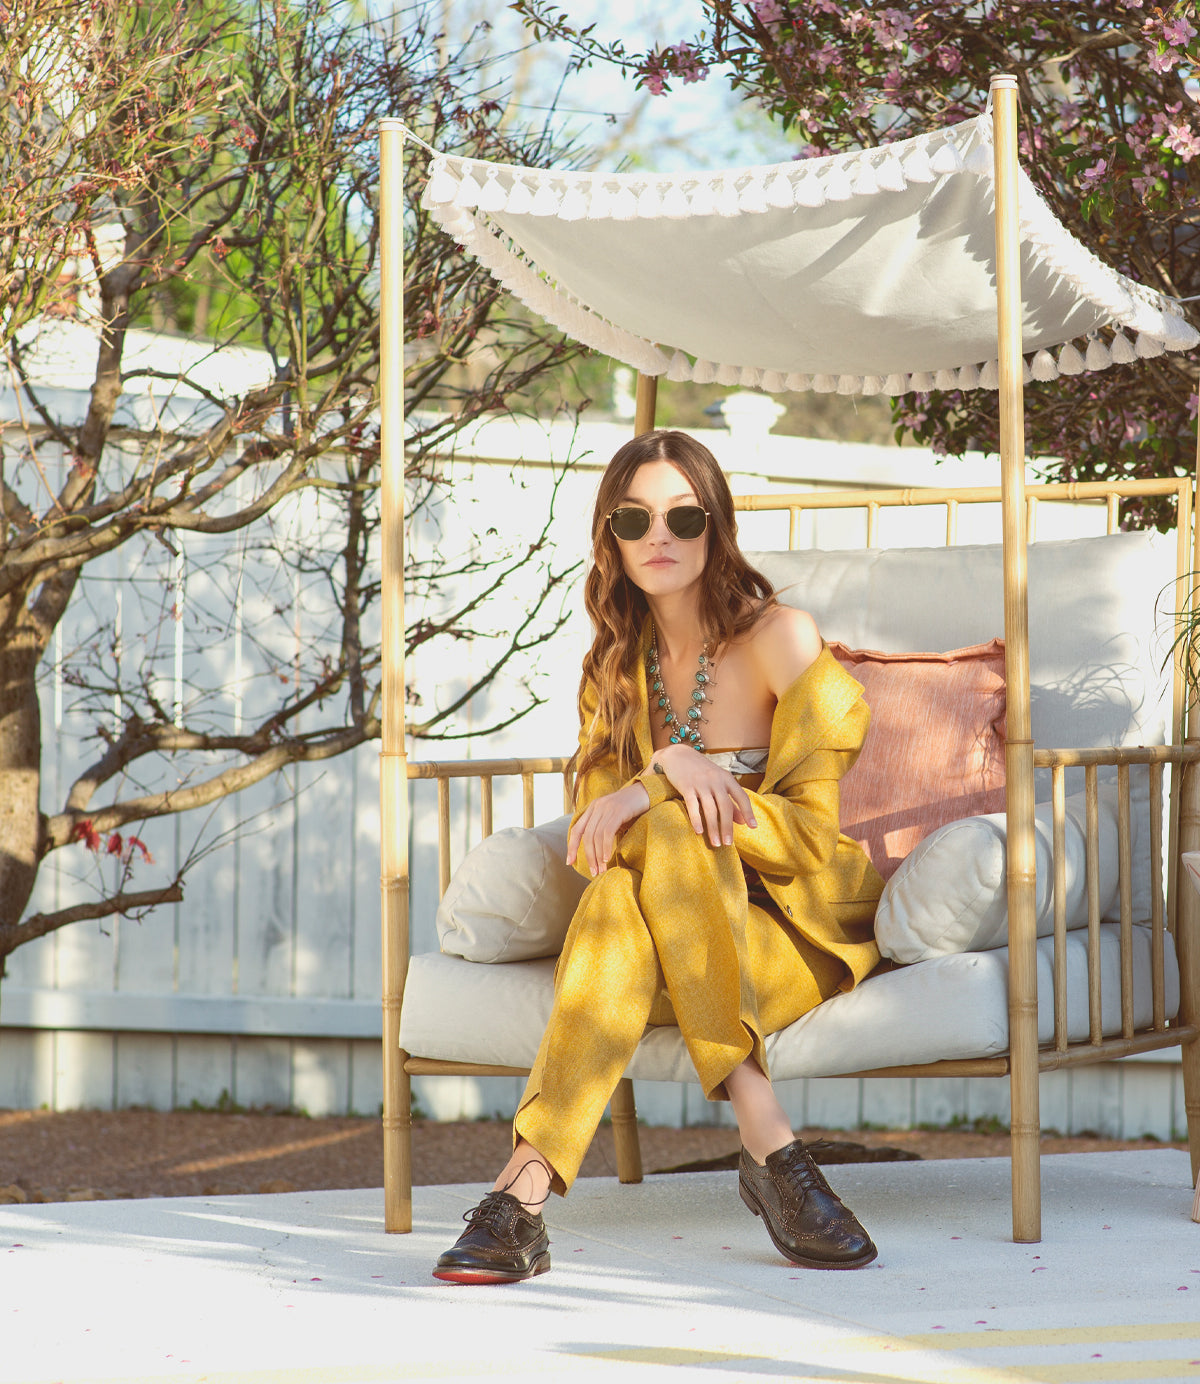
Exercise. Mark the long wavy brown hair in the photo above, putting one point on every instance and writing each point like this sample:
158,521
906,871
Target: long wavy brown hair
733,595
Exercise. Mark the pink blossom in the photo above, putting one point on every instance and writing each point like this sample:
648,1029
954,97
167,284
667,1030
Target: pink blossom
1193,405
1144,187
1162,62
825,57
892,28
1178,31
947,58
685,61
767,11
1069,113
1096,171
1183,141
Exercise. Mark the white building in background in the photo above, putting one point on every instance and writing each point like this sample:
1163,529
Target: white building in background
262,987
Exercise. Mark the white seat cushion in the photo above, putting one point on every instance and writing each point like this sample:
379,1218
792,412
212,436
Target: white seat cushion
950,892
949,1007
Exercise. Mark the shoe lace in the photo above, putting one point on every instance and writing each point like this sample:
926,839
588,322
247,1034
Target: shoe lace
487,1213
804,1175
491,1209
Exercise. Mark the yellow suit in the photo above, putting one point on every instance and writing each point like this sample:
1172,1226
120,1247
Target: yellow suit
672,932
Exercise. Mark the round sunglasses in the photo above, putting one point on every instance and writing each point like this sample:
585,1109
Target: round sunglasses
631,522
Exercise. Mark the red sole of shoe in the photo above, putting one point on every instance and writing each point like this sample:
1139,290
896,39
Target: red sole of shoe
465,1275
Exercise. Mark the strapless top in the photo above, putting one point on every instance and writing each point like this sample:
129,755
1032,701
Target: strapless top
740,761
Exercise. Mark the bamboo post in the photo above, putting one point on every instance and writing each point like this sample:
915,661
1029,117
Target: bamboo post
393,761
1187,921
1022,860
645,405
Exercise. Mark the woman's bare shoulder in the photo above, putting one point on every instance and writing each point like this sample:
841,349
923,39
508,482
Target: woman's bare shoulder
785,642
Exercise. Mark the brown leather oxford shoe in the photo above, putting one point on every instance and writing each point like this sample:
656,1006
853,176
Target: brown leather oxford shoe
804,1216
503,1243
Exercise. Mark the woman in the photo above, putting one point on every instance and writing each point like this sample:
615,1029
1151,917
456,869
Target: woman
715,725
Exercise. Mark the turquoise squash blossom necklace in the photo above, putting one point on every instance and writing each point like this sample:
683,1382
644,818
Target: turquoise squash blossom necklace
687,731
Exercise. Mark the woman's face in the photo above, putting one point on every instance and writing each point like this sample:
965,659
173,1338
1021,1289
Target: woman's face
659,563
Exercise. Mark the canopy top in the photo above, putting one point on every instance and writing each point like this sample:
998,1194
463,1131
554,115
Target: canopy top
871,272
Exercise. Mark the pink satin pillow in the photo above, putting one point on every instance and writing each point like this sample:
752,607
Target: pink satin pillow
935,750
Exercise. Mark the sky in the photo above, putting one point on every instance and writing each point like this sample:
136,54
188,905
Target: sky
697,126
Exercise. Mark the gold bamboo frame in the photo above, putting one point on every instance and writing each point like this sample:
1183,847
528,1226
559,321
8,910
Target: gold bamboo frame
1024,1061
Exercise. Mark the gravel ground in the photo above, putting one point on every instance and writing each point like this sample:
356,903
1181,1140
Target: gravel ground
95,1155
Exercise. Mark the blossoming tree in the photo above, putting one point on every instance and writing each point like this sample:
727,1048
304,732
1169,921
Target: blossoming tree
1110,131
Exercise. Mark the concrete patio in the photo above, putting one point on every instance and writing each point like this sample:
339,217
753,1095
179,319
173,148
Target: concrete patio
672,1278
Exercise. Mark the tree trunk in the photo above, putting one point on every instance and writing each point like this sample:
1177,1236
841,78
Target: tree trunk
20,763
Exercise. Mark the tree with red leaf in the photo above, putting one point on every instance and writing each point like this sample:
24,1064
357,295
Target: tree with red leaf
213,168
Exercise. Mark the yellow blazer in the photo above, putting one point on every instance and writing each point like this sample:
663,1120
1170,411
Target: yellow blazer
819,879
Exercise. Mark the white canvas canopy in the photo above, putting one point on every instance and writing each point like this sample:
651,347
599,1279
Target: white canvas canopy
928,264
867,273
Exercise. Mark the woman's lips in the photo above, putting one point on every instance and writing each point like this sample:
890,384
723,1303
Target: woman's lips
660,562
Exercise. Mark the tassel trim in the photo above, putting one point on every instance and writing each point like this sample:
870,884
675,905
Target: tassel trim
463,195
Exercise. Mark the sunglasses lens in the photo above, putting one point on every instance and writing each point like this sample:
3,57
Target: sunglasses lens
687,521
629,524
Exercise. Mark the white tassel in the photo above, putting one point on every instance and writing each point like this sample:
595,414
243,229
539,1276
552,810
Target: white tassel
749,377
492,196
1178,335
1098,356
1070,362
520,199
442,184
680,368
1026,372
601,202
921,381
1122,349
872,384
837,184
1148,347
574,204
625,205
797,382
460,225
968,377
947,159
945,379
649,206
728,375
849,384
825,384
916,166
546,199
989,376
675,203
808,192
1043,366
890,174
727,198
704,203
774,381
896,385
753,197
980,161
866,184
704,372
779,192
468,192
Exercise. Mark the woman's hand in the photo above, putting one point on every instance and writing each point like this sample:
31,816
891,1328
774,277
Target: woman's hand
714,799
598,825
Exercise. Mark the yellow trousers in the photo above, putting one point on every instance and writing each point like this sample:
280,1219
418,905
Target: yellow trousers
668,934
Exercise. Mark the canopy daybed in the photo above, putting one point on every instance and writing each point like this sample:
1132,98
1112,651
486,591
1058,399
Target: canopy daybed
928,264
